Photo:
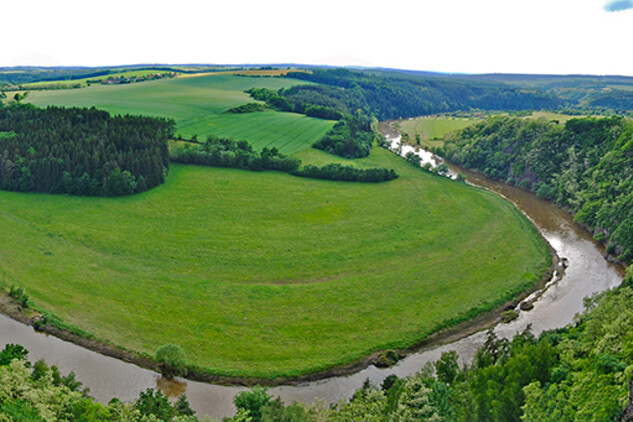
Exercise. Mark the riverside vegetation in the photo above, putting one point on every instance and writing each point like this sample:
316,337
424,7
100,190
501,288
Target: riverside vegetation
584,165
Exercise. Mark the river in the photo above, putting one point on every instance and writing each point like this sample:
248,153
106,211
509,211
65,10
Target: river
587,274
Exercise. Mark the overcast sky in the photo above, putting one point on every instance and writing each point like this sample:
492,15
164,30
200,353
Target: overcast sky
470,36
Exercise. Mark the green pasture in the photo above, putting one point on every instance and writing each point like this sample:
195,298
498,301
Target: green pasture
198,104
265,274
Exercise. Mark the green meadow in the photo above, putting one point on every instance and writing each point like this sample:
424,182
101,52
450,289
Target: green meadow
265,274
198,104
84,81
431,129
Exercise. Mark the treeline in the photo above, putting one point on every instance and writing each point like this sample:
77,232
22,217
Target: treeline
81,151
220,152
395,96
585,166
347,173
247,108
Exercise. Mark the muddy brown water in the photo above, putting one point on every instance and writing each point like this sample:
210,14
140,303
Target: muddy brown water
587,274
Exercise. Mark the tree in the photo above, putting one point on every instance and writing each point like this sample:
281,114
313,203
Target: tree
414,404
155,403
253,401
182,407
12,351
172,360
447,367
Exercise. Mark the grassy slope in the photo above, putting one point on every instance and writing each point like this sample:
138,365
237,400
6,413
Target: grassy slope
433,127
84,81
265,274
197,104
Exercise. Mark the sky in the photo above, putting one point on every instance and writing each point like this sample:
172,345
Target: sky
457,36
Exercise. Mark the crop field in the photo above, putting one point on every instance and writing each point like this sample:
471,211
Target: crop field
198,104
265,274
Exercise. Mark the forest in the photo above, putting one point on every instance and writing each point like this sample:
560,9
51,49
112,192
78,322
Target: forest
585,165
81,151
391,97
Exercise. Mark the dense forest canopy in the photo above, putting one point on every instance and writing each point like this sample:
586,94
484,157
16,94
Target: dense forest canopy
391,97
81,151
585,166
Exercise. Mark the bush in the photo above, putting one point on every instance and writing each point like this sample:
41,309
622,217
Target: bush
507,316
17,292
172,360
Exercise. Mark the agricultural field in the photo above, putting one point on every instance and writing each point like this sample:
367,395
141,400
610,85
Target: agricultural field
266,274
198,104
84,81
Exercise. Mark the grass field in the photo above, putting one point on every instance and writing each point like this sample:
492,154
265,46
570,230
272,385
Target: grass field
266,274
432,128
84,81
198,104
550,115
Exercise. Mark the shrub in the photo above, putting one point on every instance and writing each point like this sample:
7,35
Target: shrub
172,360
507,316
17,292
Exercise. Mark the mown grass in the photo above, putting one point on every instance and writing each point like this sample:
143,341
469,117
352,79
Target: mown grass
266,274
198,104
